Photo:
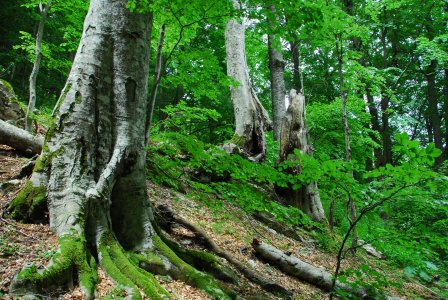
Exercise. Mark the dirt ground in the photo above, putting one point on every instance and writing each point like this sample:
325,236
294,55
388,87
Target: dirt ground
231,229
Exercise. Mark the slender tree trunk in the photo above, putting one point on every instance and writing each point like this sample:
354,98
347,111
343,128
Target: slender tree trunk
294,47
348,151
385,130
251,119
92,169
156,80
384,105
445,111
294,136
35,71
433,111
278,90
373,111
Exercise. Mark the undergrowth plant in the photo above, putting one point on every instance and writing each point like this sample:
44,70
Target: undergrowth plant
402,209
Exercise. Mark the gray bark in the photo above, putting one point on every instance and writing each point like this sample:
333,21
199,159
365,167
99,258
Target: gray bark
35,71
301,269
251,119
20,139
100,128
294,136
278,90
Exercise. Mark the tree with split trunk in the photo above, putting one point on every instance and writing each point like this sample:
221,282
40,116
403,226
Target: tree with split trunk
251,119
294,136
92,169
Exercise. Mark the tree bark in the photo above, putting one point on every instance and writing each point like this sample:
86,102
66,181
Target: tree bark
294,136
277,70
433,111
92,169
294,266
251,119
374,120
35,71
445,112
156,81
20,139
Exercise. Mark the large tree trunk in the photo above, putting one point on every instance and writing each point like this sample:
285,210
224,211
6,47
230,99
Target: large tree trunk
38,57
92,170
294,136
277,70
251,119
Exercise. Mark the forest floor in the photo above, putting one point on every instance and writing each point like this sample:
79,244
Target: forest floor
230,228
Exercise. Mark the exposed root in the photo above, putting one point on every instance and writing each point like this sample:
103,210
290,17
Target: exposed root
202,260
125,273
181,270
69,262
131,271
170,217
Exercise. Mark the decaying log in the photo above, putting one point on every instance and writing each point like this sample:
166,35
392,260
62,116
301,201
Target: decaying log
295,267
20,139
294,136
168,215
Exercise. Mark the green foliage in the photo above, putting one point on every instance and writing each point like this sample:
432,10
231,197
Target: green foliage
177,160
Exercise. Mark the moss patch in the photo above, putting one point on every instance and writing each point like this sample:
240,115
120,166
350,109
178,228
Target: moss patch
190,274
126,273
237,140
43,163
72,255
30,204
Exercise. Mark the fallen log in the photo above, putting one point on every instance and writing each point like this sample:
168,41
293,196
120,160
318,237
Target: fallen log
20,139
295,267
168,216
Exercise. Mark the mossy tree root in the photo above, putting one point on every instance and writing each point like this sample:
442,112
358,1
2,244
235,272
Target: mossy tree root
166,216
122,269
202,260
134,271
72,260
181,270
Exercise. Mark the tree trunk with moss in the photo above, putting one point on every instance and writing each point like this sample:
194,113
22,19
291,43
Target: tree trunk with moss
251,119
294,136
92,169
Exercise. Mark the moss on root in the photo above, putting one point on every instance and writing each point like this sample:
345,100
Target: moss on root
202,260
237,140
30,204
126,273
189,274
70,257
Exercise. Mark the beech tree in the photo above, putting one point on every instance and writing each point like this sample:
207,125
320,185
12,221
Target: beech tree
294,136
92,168
251,119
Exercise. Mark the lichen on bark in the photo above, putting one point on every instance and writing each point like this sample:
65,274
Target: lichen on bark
93,167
